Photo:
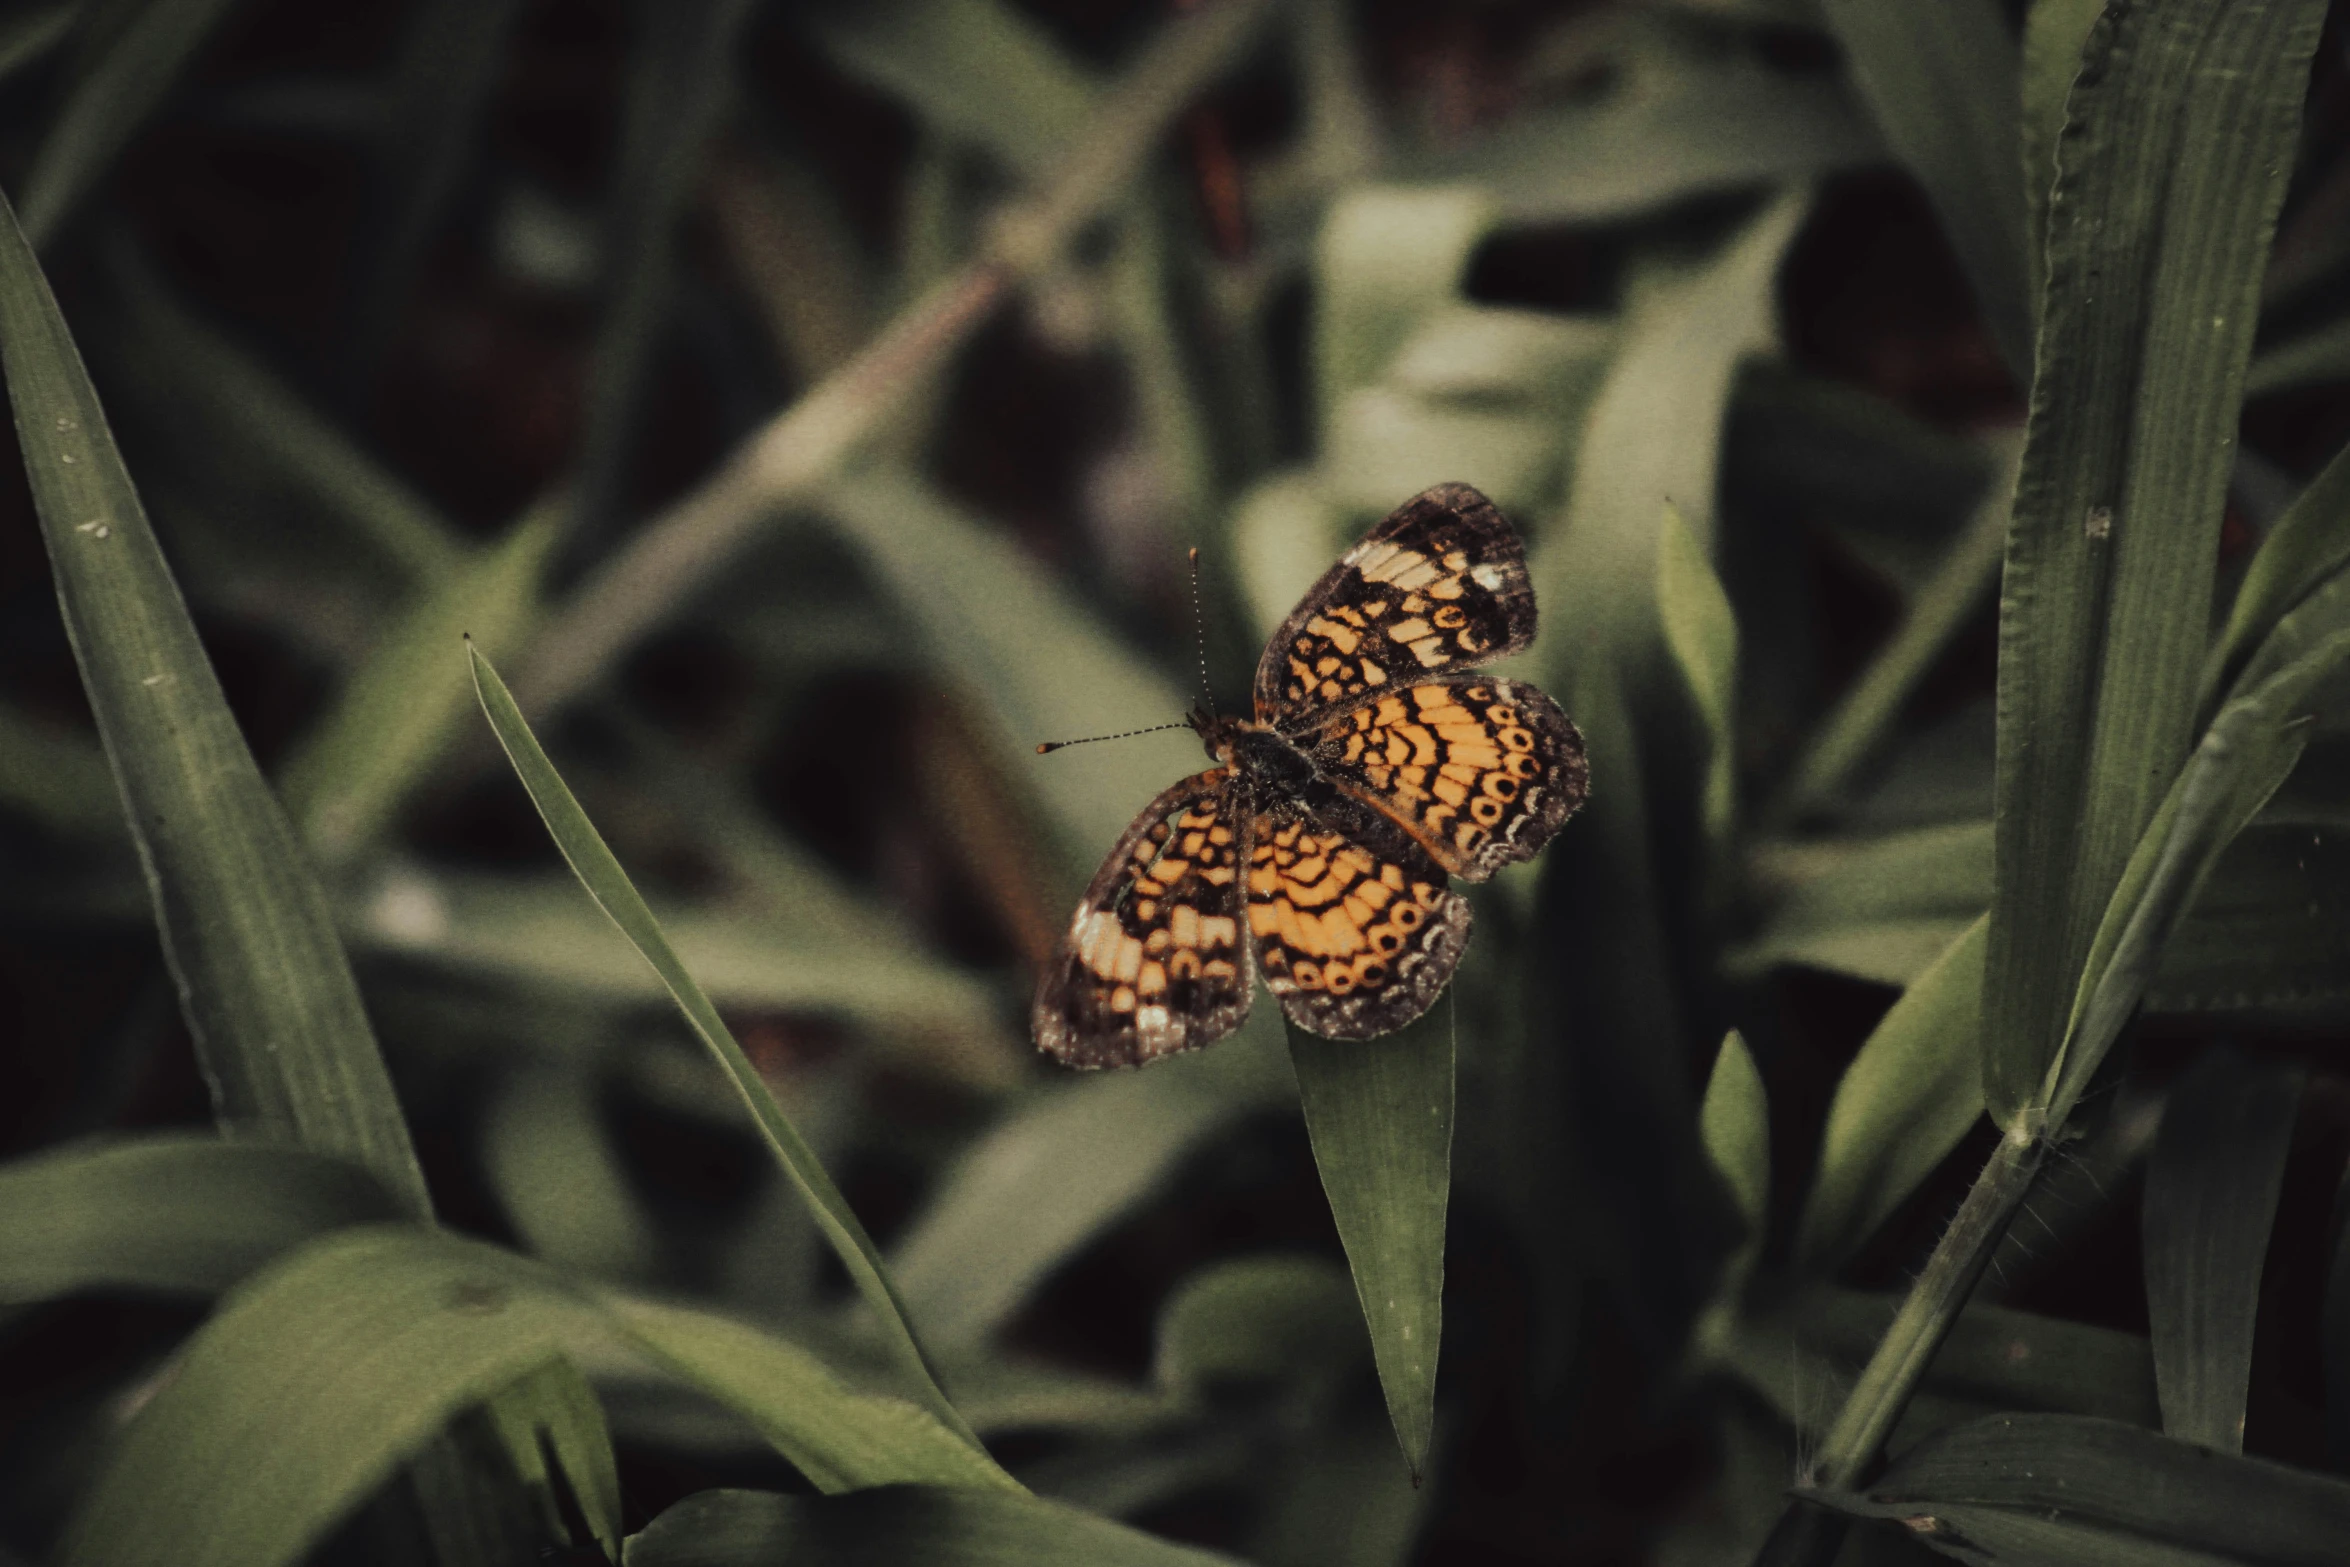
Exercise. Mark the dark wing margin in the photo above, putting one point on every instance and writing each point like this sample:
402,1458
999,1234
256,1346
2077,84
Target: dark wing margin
1480,771
1356,931
1153,961
1439,585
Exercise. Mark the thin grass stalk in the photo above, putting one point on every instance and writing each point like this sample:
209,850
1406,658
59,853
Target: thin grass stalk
678,552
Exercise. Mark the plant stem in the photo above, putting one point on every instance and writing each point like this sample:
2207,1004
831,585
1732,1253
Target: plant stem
1909,1346
808,442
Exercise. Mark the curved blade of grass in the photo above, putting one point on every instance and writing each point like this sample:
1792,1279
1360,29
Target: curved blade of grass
1045,1180
265,986
1942,81
2054,31
313,1381
2211,1197
1901,1106
1735,1120
1275,1319
552,1430
2173,164
1379,1113
178,1213
2073,1489
142,62
2309,545
2318,356
1386,257
1702,634
896,1526
600,874
1879,908
403,705
550,1161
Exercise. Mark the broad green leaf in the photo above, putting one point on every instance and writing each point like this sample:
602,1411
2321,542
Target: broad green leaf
1879,908
305,1390
552,1430
141,63
1702,634
319,1375
1272,1320
1386,257
173,1212
984,70
1669,125
895,1526
2211,1195
1994,1357
1735,1120
1042,1182
402,707
600,874
56,777
1379,1113
2308,547
2043,1490
1901,1106
1942,81
264,984
2322,355
2171,168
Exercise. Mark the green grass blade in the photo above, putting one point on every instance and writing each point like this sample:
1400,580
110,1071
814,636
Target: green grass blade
2318,356
1901,1106
1387,257
317,1378
2173,164
140,65
600,874
1047,1179
553,1433
2211,1197
2309,544
175,1213
897,1527
1880,908
1735,1120
1943,83
264,983
839,1438
1270,1320
2054,31
1702,634
2072,1489
400,709
1379,1113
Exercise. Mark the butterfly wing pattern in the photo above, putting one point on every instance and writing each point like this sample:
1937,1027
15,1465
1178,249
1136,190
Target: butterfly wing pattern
1378,766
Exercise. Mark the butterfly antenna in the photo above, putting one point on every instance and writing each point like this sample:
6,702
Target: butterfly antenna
1055,745
1199,633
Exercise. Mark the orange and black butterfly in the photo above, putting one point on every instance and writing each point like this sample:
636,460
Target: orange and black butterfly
1319,849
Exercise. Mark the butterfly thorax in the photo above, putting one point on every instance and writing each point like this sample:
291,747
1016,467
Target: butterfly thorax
1261,754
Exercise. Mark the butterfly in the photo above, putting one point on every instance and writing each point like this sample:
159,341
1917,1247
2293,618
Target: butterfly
1318,852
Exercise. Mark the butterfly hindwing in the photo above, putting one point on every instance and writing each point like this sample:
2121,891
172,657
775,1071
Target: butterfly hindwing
1356,931
1441,584
1153,962
1480,771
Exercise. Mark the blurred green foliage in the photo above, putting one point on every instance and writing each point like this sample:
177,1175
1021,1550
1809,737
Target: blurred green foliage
1909,1082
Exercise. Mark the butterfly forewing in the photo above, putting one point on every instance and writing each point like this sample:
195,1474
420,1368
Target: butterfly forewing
1153,962
1480,771
1439,585
1356,932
